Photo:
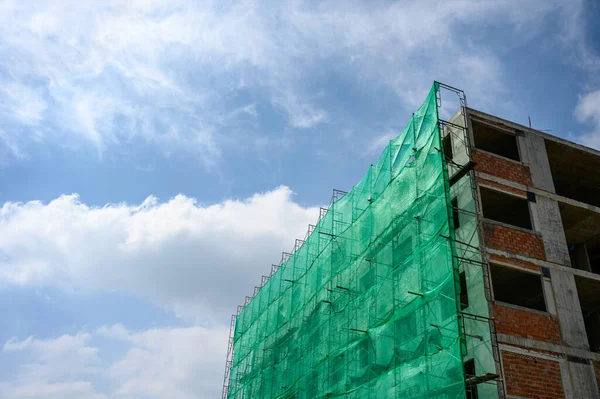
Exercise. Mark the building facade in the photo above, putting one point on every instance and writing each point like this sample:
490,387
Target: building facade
540,202
465,263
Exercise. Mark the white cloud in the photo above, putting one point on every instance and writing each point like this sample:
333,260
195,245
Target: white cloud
57,390
9,147
199,260
58,368
588,111
128,70
574,34
378,143
23,102
56,357
302,115
175,362
157,363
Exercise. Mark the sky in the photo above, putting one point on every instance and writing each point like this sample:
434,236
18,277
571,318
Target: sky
156,157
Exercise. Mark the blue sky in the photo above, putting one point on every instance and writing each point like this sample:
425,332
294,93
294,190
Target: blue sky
157,156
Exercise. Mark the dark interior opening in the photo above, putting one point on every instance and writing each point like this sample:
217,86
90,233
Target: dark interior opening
585,256
464,295
587,290
455,215
505,208
582,231
471,389
593,250
574,172
578,255
448,146
592,328
518,288
495,140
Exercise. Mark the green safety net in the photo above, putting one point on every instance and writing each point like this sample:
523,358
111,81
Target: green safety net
367,306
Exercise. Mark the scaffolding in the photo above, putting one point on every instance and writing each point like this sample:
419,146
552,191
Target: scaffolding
373,302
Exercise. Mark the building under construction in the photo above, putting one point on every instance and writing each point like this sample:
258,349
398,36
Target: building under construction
465,263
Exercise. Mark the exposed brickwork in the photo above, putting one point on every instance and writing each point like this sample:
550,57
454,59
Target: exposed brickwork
500,167
597,370
515,262
494,123
502,187
514,240
532,325
532,377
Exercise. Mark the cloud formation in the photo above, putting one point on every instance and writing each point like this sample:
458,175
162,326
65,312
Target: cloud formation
198,260
52,368
208,79
157,363
588,111
170,74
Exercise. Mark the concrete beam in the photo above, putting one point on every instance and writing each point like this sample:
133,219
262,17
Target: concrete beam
539,262
547,346
539,192
536,132
577,371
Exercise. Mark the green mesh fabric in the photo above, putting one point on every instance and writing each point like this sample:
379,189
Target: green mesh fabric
367,306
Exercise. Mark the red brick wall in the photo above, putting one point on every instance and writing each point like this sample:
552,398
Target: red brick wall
500,167
526,324
532,377
514,240
516,262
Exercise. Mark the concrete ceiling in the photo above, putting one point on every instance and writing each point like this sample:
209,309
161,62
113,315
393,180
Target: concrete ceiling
581,225
575,172
588,290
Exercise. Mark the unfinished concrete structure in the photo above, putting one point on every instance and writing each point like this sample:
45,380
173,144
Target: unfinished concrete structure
540,202
465,263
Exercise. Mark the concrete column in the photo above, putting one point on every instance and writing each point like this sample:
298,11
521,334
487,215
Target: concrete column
583,380
533,153
546,214
553,233
568,309
578,380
